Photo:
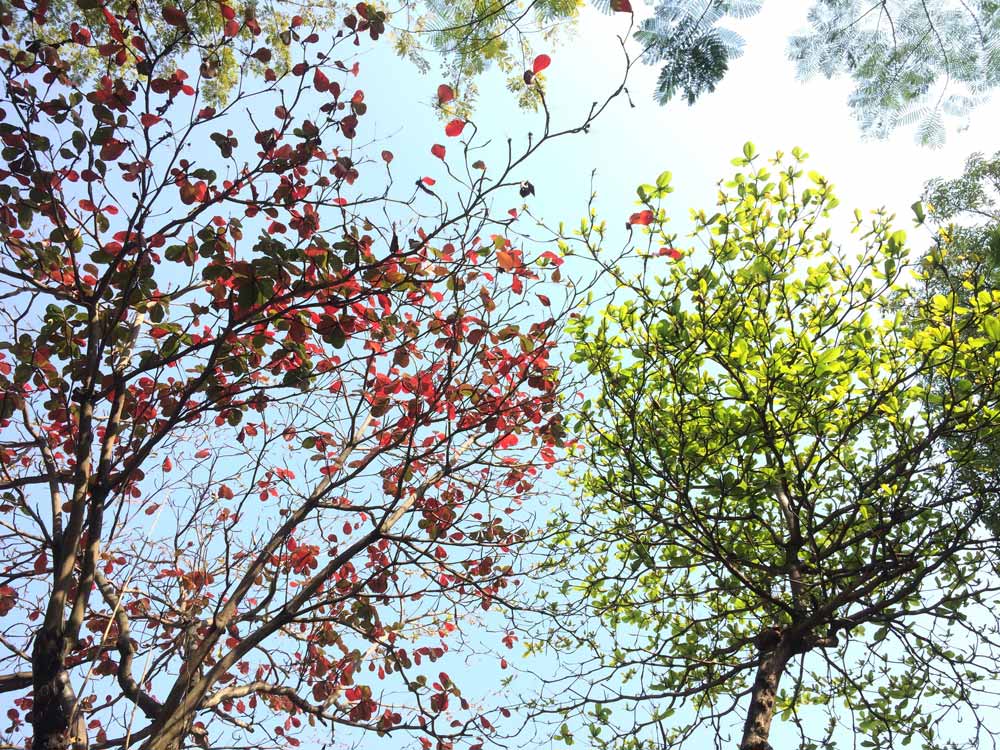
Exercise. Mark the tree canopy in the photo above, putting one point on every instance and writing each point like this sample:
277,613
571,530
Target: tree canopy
295,378
267,413
912,62
776,516
465,37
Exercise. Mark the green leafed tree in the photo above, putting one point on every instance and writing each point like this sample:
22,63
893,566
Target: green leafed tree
964,213
967,212
470,36
775,521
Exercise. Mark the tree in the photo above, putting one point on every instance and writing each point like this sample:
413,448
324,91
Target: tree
965,216
179,29
264,433
913,62
774,516
966,210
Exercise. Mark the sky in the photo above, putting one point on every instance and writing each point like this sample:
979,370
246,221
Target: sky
759,100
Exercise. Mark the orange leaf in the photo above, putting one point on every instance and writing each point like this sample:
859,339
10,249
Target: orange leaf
506,261
643,218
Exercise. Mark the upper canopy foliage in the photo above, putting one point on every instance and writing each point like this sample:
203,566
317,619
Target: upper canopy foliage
467,36
912,62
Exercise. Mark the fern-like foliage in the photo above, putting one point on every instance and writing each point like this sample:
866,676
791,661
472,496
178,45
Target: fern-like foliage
921,63
684,35
913,61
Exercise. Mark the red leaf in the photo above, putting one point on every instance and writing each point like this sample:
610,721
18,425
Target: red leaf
454,128
174,16
320,81
445,93
428,180
672,252
203,453
227,12
41,562
113,27
644,218
387,156
167,464
149,120
112,149
621,6
152,509
438,150
541,63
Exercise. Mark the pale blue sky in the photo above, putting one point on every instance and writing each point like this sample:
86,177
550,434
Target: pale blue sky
759,100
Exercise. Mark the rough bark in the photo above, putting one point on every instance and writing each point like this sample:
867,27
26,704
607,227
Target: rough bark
54,725
770,667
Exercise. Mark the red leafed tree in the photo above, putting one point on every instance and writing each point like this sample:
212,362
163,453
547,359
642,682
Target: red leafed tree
263,435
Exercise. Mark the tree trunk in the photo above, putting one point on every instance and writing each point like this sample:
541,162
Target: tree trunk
770,667
170,733
54,725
